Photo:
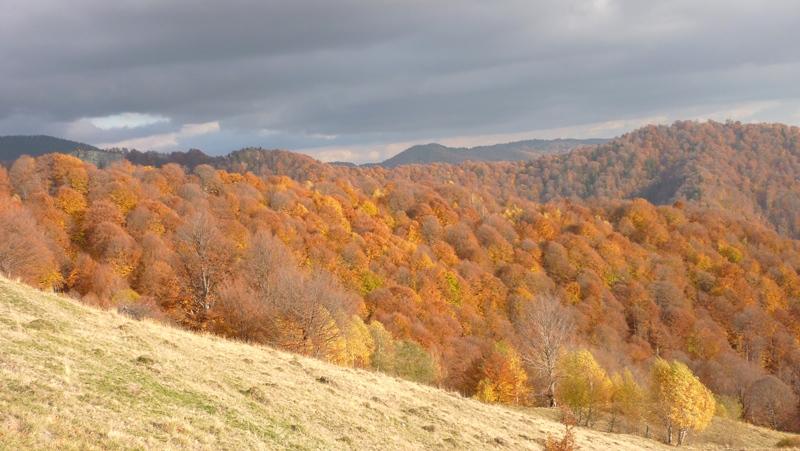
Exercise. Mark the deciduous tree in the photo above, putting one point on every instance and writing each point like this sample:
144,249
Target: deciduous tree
503,378
544,327
24,252
769,402
205,256
584,386
627,399
679,400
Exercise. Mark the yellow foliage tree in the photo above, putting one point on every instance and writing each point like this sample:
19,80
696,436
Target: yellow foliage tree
369,208
504,380
66,170
773,297
585,388
123,198
71,202
679,399
359,345
627,399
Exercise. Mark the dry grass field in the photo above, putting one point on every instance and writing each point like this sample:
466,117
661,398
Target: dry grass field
74,377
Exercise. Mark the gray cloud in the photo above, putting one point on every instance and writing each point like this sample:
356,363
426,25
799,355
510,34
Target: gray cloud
311,73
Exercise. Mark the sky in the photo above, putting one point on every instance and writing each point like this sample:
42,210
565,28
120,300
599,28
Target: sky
362,80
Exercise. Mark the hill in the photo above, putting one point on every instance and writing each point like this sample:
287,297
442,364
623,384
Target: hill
253,159
513,151
329,267
749,169
14,146
73,377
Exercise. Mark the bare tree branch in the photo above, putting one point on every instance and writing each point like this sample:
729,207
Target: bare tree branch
544,326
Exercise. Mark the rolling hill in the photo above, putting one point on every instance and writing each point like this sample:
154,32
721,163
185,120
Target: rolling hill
752,170
74,377
748,169
14,146
254,158
513,151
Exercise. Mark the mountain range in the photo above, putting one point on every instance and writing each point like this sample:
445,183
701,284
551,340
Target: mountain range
12,147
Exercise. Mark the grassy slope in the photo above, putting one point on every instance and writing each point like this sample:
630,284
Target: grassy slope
73,377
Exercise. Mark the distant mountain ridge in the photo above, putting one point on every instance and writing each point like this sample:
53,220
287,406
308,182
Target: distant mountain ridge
14,146
254,158
512,151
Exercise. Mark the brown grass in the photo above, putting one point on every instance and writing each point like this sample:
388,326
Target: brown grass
73,377
789,442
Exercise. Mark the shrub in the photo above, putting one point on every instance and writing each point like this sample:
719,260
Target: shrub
415,363
567,442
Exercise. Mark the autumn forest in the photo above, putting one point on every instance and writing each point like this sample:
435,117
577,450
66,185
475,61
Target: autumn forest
594,279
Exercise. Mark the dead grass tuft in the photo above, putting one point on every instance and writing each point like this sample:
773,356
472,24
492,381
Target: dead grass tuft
258,394
40,324
145,360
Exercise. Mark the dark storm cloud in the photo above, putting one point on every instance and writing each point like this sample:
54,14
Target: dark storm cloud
310,73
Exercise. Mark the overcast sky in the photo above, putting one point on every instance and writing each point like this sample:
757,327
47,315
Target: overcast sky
361,80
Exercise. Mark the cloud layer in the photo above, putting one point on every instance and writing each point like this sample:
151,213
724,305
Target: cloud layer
355,78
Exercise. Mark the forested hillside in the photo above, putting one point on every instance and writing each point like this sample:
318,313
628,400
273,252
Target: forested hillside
14,146
750,169
441,274
747,169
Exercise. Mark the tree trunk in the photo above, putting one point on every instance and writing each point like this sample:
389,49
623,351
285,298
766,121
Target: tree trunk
773,417
551,394
669,434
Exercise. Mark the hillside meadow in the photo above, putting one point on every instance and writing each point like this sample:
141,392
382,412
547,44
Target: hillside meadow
76,377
